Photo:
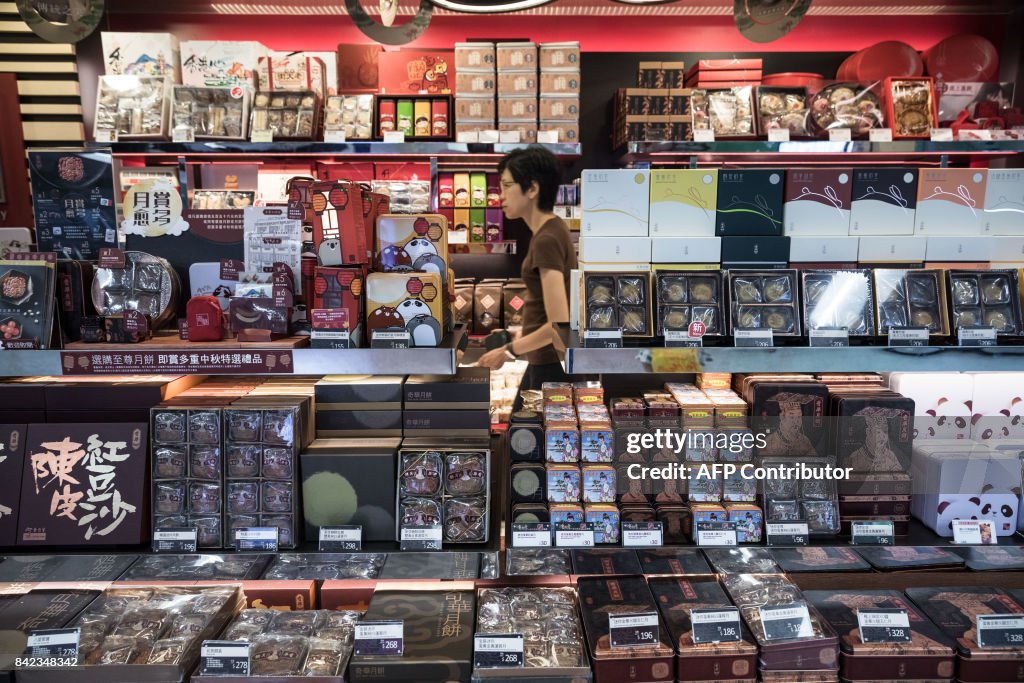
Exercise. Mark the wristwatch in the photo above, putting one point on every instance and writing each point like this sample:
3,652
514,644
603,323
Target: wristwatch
509,353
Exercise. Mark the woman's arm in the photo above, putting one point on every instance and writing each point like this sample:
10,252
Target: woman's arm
556,306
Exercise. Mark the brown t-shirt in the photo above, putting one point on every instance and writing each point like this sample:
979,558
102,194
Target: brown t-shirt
550,247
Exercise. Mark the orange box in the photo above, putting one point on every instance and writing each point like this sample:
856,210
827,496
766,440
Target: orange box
411,72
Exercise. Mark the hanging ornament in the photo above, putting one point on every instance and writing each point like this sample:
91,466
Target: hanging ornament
385,33
763,21
388,12
61,21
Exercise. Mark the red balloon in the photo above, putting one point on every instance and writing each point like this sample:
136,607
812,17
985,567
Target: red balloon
890,58
963,57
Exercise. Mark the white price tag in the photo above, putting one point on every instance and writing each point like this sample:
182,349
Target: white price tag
394,137
1000,630
340,538
872,533
380,638
977,336
634,630
509,137
778,135
880,135
574,535
422,534
840,134
753,338
467,136
716,537
547,137
942,135
527,535
642,534
183,135
334,136
974,532
884,626
106,136
262,136
828,338
786,622
703,135
909,336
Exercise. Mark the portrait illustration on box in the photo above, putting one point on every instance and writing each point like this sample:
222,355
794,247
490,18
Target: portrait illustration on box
670,494
876,454
789,437
635,493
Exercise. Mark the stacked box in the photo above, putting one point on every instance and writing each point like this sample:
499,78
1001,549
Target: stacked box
358,406
559,90
188,471
261,446
220,62
476,84
517,87
141,54
718,73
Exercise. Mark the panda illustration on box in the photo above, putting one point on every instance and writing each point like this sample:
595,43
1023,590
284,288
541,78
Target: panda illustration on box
425,258
423,328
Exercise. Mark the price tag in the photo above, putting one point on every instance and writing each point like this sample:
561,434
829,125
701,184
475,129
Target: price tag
787,533
183,135
872,533
634,630
1000,630
509,137
376,638
175,540
602,339
111,257
262,136
59,643
225,658
334,136
977,336
829,337
778,135
421,538
335,539
574,535
942,135
330,339
974,532
880,135
785,622
503,651
884,626
753,338
526,535
643,534
908,336
839,135
394,137
703,135
390,340
106,136
716,533
547,137
257,538
715,625
467,136
681,339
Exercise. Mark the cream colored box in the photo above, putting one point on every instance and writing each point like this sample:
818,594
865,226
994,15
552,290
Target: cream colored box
560,55
517,108
568,131
517,84
683,202
468,108
614,249
686,249
1004,202
560,108
475,83
516,55
616,203
474,56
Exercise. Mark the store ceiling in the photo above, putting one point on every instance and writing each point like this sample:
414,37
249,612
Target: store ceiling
708,8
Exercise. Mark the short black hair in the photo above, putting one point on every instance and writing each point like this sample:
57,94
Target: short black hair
535,164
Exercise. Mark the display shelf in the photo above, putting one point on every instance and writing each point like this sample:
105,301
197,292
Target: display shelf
441,150
304,361
811,151
636,360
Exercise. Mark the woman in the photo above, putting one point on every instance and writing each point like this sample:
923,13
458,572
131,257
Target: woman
529,184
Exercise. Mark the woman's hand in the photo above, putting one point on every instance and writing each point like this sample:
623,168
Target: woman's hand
493,359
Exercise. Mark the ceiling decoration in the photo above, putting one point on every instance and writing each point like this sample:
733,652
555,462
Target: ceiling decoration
763,21
385,33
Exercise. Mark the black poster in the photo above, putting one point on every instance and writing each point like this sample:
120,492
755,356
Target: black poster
73,202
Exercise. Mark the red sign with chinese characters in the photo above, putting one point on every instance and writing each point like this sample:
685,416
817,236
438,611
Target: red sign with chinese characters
175,362
84,484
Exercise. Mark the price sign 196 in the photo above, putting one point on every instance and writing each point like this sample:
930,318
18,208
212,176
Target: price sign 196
634,630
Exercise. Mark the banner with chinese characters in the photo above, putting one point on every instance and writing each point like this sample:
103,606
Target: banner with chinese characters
73,201
83,484
197,362
153,208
